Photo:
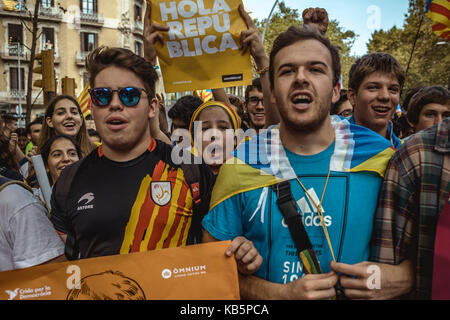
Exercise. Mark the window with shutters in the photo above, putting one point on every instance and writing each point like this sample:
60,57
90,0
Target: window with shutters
138,48
88,41
88,6
15,33
48,38
14,79
48,3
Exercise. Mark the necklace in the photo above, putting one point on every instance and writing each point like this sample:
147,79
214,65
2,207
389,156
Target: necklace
320,211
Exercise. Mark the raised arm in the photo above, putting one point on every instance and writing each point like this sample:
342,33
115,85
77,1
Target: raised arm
251,40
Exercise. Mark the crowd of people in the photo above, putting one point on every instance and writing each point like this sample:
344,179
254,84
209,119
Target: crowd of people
315,184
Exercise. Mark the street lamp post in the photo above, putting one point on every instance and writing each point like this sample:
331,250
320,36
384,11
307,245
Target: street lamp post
268,20
19,76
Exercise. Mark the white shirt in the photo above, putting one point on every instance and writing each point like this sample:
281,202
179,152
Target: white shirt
27,237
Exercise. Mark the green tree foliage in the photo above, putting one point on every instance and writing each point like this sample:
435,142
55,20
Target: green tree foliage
430,64
284,17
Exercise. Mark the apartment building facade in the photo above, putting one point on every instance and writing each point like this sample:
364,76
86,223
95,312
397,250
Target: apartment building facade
72,28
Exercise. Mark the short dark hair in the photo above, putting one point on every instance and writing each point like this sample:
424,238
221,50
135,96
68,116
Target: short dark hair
8,118
409,94
375,62
335,106
304,32
432,94
184,108
104,57
21,132
37,120
45,150
256,84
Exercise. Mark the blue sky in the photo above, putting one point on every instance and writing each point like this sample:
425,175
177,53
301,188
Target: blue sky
360,16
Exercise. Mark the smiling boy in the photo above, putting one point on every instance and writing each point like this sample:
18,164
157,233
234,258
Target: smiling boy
375,81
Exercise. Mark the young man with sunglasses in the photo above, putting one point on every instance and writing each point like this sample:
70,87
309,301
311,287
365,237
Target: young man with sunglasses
128,195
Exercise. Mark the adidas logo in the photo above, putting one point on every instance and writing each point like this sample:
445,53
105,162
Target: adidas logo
309,212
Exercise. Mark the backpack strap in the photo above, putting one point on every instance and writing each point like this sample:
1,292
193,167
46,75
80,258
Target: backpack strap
192,176
4,182
293,219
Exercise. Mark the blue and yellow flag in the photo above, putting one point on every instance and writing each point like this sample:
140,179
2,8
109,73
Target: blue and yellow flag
262,161
12,5
439,12
205,94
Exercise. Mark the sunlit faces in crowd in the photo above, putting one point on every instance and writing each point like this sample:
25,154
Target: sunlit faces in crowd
35,131
342,107
375,101
63,116
303,85
432,114
428,107
123,128
374,85
22,139
59,152
66,118
345,109
216,138
254,106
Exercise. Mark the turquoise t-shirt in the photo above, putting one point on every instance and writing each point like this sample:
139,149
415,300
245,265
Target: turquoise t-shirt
349,205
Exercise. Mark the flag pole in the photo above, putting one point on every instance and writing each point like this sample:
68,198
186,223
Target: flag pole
268,20
413,48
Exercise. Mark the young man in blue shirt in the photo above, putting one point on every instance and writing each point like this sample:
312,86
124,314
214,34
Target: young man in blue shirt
334,169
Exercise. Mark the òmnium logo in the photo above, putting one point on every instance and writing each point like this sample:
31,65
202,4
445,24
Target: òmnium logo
29,293
184,272
166,273
88,198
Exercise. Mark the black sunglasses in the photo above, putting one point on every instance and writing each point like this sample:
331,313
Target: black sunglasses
129,96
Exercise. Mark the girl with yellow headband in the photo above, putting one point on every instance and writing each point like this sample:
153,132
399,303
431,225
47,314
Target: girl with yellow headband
216,120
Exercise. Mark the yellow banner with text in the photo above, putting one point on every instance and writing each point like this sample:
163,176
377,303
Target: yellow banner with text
201,50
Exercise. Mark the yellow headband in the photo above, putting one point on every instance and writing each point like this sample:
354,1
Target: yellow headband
235,120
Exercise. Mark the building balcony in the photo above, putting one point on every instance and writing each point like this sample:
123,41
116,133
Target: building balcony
92,19
80,58
50,12
11,53
45,13
138,28
12,96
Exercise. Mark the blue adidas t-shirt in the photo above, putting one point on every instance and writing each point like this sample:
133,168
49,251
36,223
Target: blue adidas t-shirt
349,205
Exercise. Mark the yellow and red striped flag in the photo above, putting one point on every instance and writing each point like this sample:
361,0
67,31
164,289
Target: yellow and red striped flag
439,12
84,100
205,95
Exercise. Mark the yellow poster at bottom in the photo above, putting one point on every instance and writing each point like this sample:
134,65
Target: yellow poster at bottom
197,272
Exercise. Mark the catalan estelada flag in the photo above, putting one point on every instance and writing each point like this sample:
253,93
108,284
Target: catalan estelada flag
262,161
439,12
12,5
205,95
84,100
